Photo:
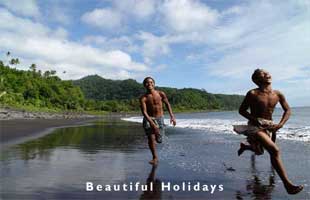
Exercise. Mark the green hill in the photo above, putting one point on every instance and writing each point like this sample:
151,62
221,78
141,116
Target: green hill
37,90
98,88
187,99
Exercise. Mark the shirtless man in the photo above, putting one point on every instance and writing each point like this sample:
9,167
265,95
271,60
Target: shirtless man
262,102
152,110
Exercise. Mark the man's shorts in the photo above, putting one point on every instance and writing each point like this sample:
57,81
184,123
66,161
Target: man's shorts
159,122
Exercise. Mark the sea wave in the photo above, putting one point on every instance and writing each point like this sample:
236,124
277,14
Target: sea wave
288,132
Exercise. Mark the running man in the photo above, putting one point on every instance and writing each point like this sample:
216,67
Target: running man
262,102
151,104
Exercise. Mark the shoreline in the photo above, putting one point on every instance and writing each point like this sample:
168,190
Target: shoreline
16,131
8,113
12,113
18,126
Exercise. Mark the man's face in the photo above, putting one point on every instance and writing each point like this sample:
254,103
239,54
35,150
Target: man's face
264,77
149,84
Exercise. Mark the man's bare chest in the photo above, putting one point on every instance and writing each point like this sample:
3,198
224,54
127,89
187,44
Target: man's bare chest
153,99
266,100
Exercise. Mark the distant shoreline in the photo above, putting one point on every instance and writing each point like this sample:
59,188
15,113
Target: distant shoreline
17,113
13,113
7,113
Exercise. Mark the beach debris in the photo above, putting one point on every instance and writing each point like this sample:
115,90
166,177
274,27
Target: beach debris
231,169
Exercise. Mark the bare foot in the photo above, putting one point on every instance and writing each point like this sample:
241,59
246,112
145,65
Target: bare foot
154,161
294,189
242,148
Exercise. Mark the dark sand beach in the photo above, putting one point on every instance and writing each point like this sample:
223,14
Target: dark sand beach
15,131
58,165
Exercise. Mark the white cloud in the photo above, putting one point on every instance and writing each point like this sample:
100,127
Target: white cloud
144,8
59,13
276,41
242,39
13,24
22,7
153,45
160,67
124,43
268,34
61,33
120,14
232,11
237,39
140,9
51,48
104,18
188,15
297,91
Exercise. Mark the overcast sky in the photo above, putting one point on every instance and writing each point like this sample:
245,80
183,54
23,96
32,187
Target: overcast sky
210,44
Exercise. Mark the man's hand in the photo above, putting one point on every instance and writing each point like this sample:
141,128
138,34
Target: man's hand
173,121
275,128
155,130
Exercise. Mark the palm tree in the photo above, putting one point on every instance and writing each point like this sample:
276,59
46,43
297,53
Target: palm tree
33,67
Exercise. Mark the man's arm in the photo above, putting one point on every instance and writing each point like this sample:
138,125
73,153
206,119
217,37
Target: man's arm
286,114
145,114
243,109
166,102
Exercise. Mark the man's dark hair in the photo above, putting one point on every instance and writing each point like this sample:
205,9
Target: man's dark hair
144,81
255,74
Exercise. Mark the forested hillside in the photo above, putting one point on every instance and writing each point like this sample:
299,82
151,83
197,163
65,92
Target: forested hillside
187,99
34,89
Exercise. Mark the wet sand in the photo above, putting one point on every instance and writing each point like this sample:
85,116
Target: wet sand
16,131
58,165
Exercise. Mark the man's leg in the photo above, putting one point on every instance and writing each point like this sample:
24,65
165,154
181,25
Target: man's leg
276,162
253,146
244,147
274,137
152,146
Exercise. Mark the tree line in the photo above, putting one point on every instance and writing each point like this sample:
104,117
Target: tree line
35,89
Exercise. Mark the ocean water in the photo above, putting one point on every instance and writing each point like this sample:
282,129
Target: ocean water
297,127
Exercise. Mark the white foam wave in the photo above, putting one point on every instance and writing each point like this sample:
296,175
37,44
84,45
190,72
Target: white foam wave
133,119
289,132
